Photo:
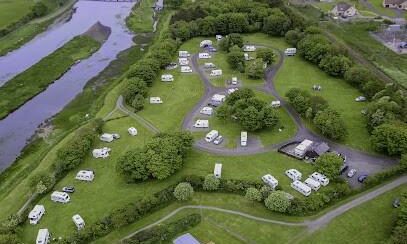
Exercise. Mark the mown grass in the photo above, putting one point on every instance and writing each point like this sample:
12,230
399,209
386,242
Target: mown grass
37,78
141,17
12,11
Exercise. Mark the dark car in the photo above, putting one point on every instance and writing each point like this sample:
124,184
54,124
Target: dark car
362,178
344,168
396,202
68,189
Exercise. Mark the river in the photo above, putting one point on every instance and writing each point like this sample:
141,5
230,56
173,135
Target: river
20,125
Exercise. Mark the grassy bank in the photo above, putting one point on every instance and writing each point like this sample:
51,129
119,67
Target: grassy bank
141,17
12,11
21,88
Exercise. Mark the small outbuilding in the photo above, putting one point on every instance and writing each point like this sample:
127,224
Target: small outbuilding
132,131
317,150
344,10
78,221
186,239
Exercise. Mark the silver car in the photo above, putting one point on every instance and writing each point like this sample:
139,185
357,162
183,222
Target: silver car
351,173
218,140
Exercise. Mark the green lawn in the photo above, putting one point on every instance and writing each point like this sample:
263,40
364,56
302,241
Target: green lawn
378,5
141,17
12,11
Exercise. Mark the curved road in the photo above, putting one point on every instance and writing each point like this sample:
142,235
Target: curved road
311,225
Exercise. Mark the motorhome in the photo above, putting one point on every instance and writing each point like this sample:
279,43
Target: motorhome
78,221
270,180
206,111
155,100
217,99
249,48
293,174
301,188
302,148
216,72
85,175
217,172
167,77
101,152
61,197
315,185
290,51
43,236
36,214
106,137
183,54
186,69
209,66
211,135
218,37
243,138
183,61
204,55
320,178
275,104
205,43
132,131
200,123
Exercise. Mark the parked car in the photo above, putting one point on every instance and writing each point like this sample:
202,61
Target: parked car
344,168
116,136
68,189
360,99
362,178
396,202
351,173
218,140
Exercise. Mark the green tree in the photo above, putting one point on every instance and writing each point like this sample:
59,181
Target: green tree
330,124
133,165
255,69
144,72
266,54
39,9
277,24
292,37
235,58
314,47
42,182
252,194
390,138
183,191
335,65
277,201
211,183
138,103
329,164
265,191
357,76
132,88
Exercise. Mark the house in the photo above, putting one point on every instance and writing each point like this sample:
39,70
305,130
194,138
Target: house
35,215
85,175
43,236
317,150
344,10
185,239
400,4
78,221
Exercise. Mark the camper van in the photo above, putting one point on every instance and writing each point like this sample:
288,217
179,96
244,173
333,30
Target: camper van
320,178
101,152
106,137
43,236
270,180
315,185
206,111
249,48
209,66
186,69
275,104
293,174
290,51
35,215
167,77
132,131
302,148
211,135
200,123
301,188
85,175
205,43
217,172
243,138
204,55
78,221
61,197
183,54
155,100
183,61
216,72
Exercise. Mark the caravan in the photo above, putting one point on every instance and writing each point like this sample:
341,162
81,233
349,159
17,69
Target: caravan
301,188
315,185
218,99
106,137
183,54
200,123
183,61
101,152
155,100
43,237
78,221
234,81
206,111
218,37
275,104
209,66
211,135
293,174
186,69
167,77
302,148
35,215
216,72
217,172
290,51
61,197
205,43
243,138
270,180
85,175
231,90
204,55
249,48
132,131
320,178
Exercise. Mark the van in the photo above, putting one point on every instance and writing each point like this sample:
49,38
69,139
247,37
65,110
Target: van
85,175
320,178
43,236
301,188
204,55
167,77
217,172
36,213
155,100
243,138
200,123
275,104
315,185
290,51
216,72
61,197
293,174
183,54
211,135
270,180
183,61
186,69
205,43
78,221
206,111
249,48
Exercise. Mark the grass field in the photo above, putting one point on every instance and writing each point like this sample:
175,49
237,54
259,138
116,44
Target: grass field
12,11
141,17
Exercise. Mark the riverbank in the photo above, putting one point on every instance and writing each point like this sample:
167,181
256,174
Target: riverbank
21,88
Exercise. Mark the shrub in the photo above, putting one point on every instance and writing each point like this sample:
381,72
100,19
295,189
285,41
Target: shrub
133,165
390,138
335,65
277,24
42,182
277,201
252,194
183,191
329,164
255,69
330,124
211,183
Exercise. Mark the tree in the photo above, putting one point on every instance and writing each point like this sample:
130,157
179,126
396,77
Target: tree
132,88
183,191
299,99
265,191
42,182
329,164
138,103
330,124
39,9
266,54
249,118
357,76
255,69
278,201
335,65
314,47
235,58
269,117
211,183
133,165
231,40
181,30
144,72
277,24
252,194
292,37
390,138
174,3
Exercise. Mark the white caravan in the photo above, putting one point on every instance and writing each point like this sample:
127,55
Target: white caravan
36,213
301,188
243,138
78,221
201,123
234,81
249,48
155,100
43,236
218,37
218,99
167,77
132,131
183,61
211,135
320,178
204,55
293,174
61,197
315,185
275,104
209,66
85,175
302,148
290,51
270,180
216,72
101,152
106,137
183,54
205,43
206,111
186,69
231,90
217,171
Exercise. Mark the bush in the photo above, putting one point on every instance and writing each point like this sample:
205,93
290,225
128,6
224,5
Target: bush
183,191
133,165
278,201
329,164
330,124
252,194
42,182
211,183
266,54
277,24
255,69
292,37
335,65
390,138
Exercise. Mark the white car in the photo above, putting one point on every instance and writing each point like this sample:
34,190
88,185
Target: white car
218,140
351,173
360,99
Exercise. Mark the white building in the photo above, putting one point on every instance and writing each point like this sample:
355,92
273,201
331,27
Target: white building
217,171
106,137
167,77
186,69
302,148
301,188
206,111
132,131
290,51
320,178
243,138
85,175
249,48
293,174
216,72
315,185
155,100
205,43
183,54
270,180
78,221
36,213
275,104
204,55
183,61
201,123
61,197
101,152
43,236
211,135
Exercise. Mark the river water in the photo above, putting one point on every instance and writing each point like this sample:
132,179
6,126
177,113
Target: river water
19,126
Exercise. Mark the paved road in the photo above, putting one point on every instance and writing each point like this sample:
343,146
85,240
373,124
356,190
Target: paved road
311,225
